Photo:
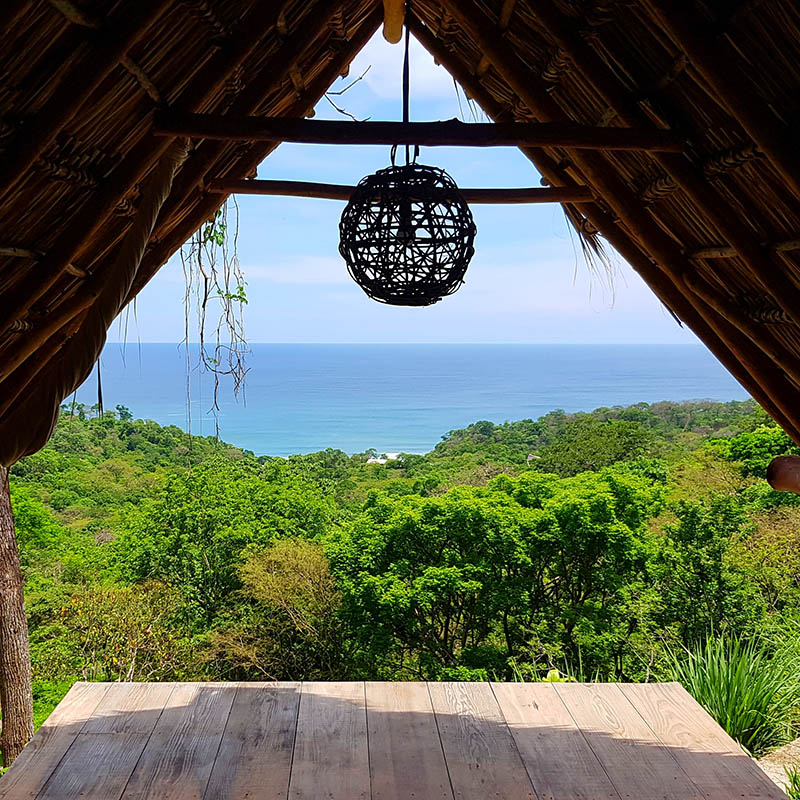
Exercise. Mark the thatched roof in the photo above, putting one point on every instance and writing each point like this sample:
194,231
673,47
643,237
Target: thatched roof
713,229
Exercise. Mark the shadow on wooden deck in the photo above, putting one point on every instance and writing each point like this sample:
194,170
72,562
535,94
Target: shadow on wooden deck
384,741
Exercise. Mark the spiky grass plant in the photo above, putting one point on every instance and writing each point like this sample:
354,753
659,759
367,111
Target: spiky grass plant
793,783
751,689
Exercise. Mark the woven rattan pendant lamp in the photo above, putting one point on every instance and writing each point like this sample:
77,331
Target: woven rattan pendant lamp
407,234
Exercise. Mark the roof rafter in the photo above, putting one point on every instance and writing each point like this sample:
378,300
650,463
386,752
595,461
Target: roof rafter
718,66
74,88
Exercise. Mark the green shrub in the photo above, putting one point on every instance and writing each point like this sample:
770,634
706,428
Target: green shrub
750,690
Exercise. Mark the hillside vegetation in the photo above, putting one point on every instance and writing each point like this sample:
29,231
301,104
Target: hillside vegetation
606,545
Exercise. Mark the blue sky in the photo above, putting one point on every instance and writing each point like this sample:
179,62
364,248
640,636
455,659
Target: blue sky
528,281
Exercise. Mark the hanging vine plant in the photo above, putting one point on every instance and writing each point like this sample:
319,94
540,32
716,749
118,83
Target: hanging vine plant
215,287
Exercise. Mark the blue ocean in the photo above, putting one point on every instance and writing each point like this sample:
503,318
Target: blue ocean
299,398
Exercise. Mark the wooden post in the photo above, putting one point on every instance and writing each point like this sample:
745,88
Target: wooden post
732,349
16,695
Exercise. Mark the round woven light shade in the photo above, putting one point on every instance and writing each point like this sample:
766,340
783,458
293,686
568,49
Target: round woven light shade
407,235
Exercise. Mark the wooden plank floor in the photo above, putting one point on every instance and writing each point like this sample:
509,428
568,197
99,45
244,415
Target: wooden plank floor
382,741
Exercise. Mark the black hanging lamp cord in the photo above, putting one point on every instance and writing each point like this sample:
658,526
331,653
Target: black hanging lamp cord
406,81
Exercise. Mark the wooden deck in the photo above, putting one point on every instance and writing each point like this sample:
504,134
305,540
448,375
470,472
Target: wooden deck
385,741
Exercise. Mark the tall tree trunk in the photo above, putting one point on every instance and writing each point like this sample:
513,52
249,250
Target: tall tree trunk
16,697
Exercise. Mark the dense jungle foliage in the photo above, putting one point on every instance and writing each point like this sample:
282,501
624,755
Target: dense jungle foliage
621,544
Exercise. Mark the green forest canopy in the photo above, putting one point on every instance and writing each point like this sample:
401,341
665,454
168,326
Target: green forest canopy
599,545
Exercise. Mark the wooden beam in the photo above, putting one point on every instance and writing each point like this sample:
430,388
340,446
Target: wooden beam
717,62
452,133
334,191
718,338
74,89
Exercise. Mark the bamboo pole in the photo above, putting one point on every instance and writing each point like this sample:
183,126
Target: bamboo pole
333,191
722,251
718,64
16,694
203,87
733,350
452,133
775,281
75,87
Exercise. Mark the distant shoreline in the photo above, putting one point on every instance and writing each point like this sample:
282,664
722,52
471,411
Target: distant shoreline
302,398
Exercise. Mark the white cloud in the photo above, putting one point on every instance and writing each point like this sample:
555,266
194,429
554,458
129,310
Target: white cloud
301,269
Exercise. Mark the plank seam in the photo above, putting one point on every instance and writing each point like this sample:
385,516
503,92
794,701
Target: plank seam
441,743
666,747
74,739
221,738
366,726
147,741
513,740
588,743
294,737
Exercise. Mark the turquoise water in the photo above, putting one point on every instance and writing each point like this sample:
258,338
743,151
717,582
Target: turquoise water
302,398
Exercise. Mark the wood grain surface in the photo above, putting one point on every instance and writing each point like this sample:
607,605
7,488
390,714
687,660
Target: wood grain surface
382,741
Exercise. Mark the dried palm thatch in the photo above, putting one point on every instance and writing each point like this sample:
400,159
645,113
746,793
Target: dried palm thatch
714,229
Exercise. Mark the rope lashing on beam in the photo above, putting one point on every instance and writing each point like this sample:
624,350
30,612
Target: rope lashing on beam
86,19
